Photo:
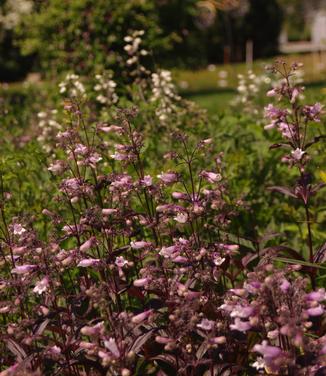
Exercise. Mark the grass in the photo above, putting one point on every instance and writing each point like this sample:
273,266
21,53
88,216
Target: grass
192,82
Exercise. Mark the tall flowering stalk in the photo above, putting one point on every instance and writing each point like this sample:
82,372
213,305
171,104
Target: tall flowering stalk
293,121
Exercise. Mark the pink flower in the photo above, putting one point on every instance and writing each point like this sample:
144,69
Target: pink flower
318,296
242,312
18,229
297,154
57,167
181,217
88,244
241,326
88,262
141,317
207,325
109,211
120,261
141,282
168,177
140,244
112,347
167,252
211,177
179,195
180,260
271,93
94,330
55,350
147,181
285,285
23,269
41,286
267,351
316,311
218,260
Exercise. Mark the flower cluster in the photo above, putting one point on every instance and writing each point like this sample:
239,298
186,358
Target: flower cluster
251,88
72,86
48,127
105,89
272,303
133,47
164,94
138,271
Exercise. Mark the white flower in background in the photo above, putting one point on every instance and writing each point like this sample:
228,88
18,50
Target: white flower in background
105,88
71,86
134,49
164,93
48,129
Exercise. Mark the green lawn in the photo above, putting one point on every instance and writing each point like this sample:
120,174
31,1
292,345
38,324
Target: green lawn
314,66
217,101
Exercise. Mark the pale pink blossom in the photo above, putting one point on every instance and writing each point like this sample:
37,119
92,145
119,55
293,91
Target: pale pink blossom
41,286
88,262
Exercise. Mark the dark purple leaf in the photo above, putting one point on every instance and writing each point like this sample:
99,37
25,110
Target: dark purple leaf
284,190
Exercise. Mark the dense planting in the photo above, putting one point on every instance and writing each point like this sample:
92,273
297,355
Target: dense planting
144,252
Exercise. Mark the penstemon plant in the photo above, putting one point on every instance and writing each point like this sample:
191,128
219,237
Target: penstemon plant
138,273
293,121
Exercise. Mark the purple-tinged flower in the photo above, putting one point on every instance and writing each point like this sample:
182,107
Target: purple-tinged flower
315,311
168,177
94,330
111,128
242,312
120,261
141,282
319,295
297,154
23,269
57,167
211,177
81,149
267,351
55,350
241,326
141,317
218,260
180,259
285,285
217,340
271,93
163,340
112,347
181,217
147,181
18,229
88,244
239,292
179,196
295,94
88,262
167,252
140,244
206,324
313,112
109,211
41,286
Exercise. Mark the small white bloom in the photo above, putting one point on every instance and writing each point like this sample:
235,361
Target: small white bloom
297,154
